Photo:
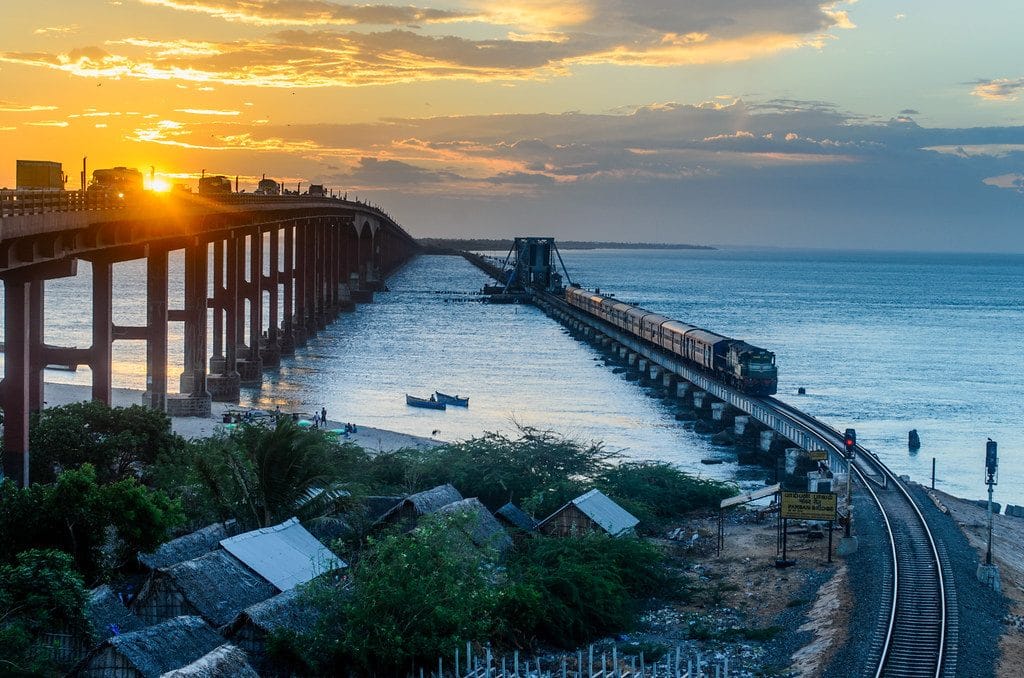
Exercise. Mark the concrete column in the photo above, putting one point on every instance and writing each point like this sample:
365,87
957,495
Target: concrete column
682,388
655,372
698,399
250,367
309,320
224,387
241,349
301,281
16,380
669,380
792,456
716,411
102,330
37,361
288,292
217,306
270,350
195,396
766,440
156,329
740,424
632,357
623,352
320,256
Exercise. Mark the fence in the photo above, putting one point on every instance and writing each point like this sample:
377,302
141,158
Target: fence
589,664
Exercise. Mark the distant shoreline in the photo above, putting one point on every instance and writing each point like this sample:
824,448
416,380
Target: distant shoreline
446,245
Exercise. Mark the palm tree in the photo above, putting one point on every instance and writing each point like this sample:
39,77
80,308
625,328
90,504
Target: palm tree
265,474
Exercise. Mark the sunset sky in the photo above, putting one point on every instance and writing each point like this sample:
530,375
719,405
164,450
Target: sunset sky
875,124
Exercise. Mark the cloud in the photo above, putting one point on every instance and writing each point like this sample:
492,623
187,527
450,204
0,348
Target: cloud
1000,89
206,111
8,107
312,12
326,44
49,123
57,30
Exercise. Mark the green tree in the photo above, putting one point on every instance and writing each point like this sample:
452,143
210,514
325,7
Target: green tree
40,592
414,597
118,441
100,526
262,475
566,591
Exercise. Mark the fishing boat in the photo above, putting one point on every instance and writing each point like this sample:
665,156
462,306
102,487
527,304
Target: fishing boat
427,403
451,399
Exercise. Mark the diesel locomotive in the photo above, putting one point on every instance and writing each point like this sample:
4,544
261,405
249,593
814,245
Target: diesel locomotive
733,361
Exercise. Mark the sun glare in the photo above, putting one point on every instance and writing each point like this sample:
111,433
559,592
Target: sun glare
160,185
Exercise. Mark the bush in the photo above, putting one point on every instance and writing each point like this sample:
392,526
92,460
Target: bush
568,591
39,593
415,597
100,526
119,442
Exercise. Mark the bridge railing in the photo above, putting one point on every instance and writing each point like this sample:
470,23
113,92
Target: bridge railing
27,202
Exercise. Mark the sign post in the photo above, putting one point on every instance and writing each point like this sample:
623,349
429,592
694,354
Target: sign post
807,506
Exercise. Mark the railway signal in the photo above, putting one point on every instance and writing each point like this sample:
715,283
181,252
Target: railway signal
991,472
850,440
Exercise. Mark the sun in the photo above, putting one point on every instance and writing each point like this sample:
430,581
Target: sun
160,185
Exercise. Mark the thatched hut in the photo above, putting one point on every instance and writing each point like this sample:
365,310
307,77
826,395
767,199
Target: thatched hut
479,525
189,546
216,587
420,504
253,626
107,615
590,512
150,652
226,661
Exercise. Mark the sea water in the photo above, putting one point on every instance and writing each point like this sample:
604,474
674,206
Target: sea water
882,342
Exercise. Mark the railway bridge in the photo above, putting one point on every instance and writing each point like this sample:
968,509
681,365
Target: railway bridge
322,256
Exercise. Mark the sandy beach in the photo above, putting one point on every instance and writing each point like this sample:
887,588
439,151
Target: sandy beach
372,439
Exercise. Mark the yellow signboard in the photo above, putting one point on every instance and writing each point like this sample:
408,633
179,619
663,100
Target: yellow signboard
808,505
818,455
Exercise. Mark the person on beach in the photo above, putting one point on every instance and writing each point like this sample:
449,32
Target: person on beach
323,415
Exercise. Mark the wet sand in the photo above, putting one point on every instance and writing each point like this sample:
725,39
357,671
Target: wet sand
371,439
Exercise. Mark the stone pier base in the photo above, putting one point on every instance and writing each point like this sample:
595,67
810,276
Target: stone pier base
250,372
185,405
223,388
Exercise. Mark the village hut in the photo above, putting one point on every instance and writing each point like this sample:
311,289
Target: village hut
378,506
107,615
226,661
515,517
189,546
479,525
590,512
149,652
285,555
420,504
216,587
253,626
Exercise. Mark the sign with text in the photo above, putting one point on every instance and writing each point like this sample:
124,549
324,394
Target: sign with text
808,505
818,455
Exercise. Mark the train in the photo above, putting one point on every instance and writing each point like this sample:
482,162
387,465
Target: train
744,366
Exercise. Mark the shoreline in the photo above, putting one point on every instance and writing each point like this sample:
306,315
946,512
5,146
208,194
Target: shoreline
369,438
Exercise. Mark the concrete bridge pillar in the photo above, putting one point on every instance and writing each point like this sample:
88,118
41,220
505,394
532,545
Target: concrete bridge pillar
623,352
250,366
669,381
655,372
37,361
320,314
194,399
716,411
224,387
288,292
270,348
17,363
698,399
156,329
299,329
740,424
682,388
310,287
792,457
767,437
641,366
631,358
102,330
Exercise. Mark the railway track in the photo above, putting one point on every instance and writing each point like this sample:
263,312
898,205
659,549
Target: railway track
916,634
914,641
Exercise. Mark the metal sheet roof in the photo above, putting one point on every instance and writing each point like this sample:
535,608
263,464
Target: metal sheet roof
602,510
705,336
285,555
676,327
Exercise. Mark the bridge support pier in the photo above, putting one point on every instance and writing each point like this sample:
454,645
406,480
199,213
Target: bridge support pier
250,368
16,379
682,388
156,329
698,399
224,385
287,292
740,424
717,409
270,347
194,398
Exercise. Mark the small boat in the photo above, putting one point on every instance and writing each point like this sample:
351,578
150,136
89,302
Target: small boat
451,399
428,403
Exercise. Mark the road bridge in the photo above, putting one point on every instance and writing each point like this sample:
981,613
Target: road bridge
325,254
